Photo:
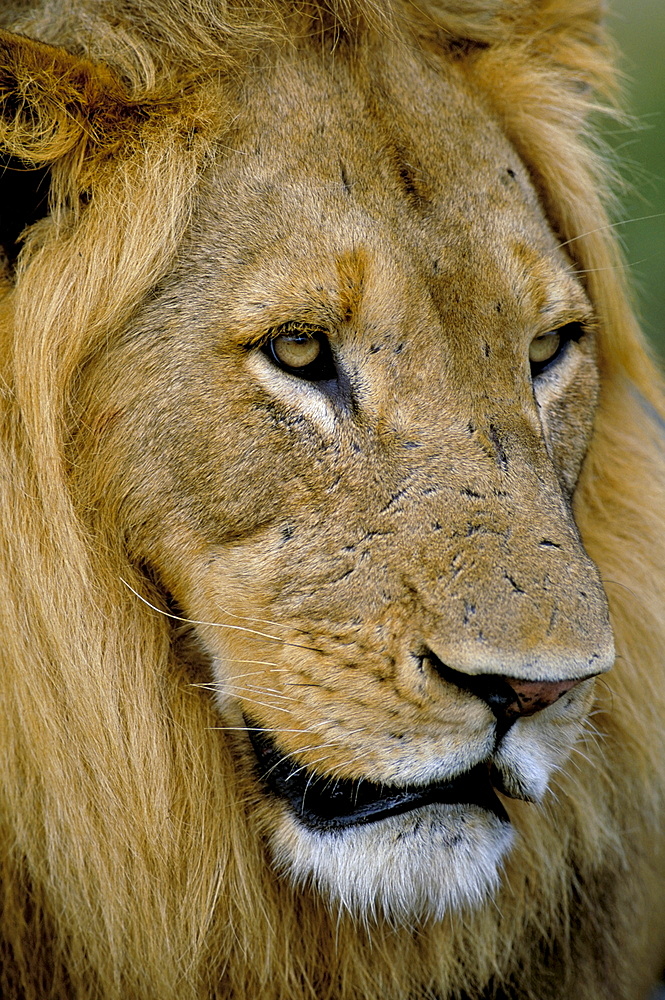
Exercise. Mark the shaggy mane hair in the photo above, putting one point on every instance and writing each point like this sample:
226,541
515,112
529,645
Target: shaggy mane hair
126,869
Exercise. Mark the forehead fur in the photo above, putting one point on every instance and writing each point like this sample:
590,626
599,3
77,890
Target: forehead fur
148,41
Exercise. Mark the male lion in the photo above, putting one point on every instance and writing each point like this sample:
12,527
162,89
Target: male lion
324,417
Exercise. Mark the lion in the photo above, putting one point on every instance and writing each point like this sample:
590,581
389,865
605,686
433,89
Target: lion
334,553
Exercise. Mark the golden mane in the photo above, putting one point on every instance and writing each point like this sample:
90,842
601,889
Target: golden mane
126,870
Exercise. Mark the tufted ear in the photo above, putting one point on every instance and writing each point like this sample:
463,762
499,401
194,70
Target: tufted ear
491,20
54,109
570,35
566,34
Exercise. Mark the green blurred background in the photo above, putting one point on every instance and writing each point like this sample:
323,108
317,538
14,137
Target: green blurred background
639,28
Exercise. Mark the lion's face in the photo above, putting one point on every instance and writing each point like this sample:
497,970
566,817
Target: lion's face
357,413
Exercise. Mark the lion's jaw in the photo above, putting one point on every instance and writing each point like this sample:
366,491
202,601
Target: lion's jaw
414,867
420,861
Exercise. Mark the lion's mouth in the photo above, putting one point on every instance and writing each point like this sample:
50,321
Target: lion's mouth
324,803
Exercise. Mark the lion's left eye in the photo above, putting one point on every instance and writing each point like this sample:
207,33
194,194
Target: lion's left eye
546,348
302,352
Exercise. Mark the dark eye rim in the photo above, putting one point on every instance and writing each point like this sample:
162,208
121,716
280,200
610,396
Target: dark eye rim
322,369
568,333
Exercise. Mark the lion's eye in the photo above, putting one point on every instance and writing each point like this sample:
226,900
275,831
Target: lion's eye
295,350
545,349
301,352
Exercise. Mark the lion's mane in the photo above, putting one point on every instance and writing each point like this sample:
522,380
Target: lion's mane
126,869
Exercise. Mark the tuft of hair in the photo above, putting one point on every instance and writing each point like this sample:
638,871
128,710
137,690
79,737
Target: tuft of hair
126,870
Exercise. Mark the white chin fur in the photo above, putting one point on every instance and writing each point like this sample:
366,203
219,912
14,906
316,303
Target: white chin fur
416,866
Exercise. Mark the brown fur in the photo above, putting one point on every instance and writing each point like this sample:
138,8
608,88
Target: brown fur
197,202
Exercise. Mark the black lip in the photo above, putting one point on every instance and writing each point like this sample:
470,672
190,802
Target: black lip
326,804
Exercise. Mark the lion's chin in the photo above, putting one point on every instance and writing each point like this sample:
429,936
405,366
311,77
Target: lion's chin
414,866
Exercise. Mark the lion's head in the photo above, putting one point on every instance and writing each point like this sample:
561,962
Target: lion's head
313,437
351,465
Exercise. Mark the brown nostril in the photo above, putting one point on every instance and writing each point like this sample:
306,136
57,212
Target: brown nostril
530,697
509,698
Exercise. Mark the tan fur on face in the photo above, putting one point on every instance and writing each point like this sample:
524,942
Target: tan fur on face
399,179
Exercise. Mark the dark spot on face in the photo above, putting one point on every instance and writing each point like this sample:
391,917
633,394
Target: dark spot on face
498,307
500,452
395,498
287,532
345,179
486,348
516,587
374,348
547,544
399,349
511,172
343,576
471,428
436,526
408,182
435,266
411,176
469,612
466,492
411,444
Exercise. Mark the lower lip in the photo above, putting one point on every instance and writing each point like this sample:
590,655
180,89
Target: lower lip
328,804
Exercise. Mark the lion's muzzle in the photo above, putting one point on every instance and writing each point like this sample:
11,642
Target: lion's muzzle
325,804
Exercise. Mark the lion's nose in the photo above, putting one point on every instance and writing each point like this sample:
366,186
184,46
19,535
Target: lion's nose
508,697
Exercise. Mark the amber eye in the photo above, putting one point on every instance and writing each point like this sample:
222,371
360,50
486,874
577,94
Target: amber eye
542,349
302,352
295,350
546,348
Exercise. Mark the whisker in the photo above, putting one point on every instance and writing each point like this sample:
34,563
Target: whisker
610,225
262,663
264,690
255,729
623,265
249,618
232,688
237,628
249,697
260,673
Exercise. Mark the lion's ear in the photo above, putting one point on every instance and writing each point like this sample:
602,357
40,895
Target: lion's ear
492,20
53,107
571,34
566,34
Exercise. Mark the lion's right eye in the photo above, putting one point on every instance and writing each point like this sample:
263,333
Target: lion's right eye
548,347
302,352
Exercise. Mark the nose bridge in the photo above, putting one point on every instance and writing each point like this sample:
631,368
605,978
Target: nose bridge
507,585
